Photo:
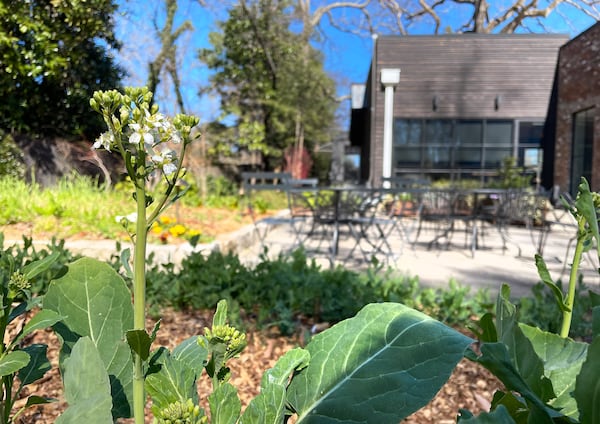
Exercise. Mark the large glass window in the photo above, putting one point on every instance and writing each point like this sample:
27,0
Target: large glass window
498,143
446,144
407,143
581,157
438,143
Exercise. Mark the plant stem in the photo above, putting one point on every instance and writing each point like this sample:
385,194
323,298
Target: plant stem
570,300
139,297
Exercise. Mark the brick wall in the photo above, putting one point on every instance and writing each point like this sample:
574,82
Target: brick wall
578,89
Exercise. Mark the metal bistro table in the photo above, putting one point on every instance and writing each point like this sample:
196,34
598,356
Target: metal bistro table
334,208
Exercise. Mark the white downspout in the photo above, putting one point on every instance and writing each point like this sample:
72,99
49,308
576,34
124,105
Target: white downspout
389,79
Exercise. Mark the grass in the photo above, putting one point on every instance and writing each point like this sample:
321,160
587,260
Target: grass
78,206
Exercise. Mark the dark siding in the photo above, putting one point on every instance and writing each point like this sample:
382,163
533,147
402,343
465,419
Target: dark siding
466,72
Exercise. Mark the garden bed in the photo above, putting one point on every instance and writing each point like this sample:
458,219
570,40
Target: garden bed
470,386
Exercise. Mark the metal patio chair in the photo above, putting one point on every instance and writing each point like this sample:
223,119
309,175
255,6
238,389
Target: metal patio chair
253,182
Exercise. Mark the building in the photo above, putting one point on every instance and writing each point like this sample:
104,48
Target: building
572,148
453,106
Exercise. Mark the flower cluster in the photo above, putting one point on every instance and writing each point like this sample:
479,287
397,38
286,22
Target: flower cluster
233,340
141,129
180,413
166,227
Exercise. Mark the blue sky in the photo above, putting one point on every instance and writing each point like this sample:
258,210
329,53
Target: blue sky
347,56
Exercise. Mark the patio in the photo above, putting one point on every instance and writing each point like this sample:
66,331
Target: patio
487,267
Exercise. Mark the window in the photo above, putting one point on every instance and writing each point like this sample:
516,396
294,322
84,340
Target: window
407,143
530,137
582,150
446,144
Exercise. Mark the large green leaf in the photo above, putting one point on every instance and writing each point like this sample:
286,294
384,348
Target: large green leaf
13,362
37,366
171,380
191,353
87,386
378,367
562,360
225,405
587,387
96,302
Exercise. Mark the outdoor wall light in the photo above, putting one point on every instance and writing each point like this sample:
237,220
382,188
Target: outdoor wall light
434,103
390,76
497,102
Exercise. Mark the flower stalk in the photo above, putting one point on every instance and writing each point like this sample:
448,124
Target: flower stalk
140,134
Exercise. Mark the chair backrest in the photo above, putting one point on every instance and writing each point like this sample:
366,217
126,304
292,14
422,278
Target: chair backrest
254,181
406,182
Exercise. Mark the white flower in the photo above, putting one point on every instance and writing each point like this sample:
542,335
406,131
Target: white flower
169,169
158,120
141,133
106,140
132,217
176,137
165,161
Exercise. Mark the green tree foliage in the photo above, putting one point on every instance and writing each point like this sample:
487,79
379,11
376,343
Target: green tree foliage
53,56
270,81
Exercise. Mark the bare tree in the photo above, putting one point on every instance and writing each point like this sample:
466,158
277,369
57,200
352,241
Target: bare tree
483,16
166,60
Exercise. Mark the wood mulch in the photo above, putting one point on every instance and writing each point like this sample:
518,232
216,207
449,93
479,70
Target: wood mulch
470,386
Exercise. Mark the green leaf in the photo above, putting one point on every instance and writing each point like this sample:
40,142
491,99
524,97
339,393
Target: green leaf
547,280
292,361
587,386
562,359
496,358
585,206
486,329
139,341
125,256
269,405
266,408
87,386
191,354
220,317
596,321
38,400
13,362
523,356
172,381
37,366
380,366
33,269
225,406
96,302
43,319
499,416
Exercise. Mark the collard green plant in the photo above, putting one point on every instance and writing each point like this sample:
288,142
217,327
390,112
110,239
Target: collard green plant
21,364
379,366
549,378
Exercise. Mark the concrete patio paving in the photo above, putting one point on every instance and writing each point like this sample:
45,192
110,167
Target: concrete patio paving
488,267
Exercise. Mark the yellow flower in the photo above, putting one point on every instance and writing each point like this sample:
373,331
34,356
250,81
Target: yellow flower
156,229
177,230
166,220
